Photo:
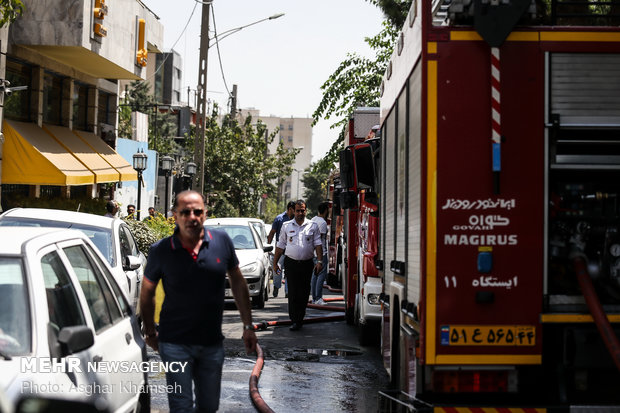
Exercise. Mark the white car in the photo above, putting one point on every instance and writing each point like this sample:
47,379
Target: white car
249,237
65,323
110,235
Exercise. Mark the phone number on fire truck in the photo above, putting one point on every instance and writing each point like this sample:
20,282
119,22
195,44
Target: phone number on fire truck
472,335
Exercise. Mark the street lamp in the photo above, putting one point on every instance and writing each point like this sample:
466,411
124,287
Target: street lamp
139,164
299,148
298,171
166,166
201,107
190,169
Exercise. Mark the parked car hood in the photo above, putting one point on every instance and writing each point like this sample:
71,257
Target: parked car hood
248,256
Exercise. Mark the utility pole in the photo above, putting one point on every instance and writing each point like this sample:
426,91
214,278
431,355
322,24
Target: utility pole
233,103
201,110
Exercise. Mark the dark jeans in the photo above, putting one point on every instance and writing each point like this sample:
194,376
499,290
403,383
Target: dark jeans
298,275
203,370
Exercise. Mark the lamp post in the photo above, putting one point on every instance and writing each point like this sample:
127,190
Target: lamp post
201,107
139,164
190,169
299,148
298,171
166,166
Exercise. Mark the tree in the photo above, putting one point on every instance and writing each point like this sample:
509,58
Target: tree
357,79
239,171
162,126
316,189
9,11
238,168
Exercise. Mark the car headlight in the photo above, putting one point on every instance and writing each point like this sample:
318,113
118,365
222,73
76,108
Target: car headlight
373,299
249,269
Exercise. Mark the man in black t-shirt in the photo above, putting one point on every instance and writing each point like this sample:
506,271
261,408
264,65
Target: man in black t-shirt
192,265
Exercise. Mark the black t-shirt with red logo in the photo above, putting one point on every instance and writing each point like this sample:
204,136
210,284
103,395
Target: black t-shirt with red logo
193,285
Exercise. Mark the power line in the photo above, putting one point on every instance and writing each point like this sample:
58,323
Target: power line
176,41
219,56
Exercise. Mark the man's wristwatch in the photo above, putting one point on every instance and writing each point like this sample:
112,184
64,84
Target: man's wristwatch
248,327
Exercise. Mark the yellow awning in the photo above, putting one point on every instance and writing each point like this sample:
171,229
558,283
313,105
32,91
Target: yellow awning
103,171
110,155
32,157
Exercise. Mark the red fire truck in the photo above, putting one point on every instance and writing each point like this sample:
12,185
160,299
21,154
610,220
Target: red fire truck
354,225
500,207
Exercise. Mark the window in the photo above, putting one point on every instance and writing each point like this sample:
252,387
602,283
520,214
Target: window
80,106
62,303
17,105
52,98
260,229
101,237
50,191
241,235
104,108
122,301
101,303
15,330
128,244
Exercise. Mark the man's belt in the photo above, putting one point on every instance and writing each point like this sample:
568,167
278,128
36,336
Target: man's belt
286,257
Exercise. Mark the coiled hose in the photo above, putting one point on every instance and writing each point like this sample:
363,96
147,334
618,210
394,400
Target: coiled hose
596,310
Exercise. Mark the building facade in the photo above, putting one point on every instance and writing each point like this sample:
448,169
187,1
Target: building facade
293,133
64,62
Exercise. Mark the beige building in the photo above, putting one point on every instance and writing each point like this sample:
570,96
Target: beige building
294,133
64,61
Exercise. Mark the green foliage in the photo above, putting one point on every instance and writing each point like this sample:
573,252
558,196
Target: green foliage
10,10
150,231
162,126
316,188
87,205
355,83
238,168
395,11
272,210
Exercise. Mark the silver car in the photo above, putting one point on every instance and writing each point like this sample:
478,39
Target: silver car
110,235
248,236
64,323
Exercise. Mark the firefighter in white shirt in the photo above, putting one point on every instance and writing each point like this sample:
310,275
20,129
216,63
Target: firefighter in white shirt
300,238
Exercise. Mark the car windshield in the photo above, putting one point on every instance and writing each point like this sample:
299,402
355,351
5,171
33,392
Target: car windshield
241,235
15,331
101,237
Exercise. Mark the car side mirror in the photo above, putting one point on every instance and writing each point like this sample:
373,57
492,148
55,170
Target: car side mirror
75,339
268,248
131,263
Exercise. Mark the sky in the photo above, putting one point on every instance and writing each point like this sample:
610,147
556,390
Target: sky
278,65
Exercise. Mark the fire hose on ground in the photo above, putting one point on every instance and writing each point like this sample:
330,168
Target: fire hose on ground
257,400
596,309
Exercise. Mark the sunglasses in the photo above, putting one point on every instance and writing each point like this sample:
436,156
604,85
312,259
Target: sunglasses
186,211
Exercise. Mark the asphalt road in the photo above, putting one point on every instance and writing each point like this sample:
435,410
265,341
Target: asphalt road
318,368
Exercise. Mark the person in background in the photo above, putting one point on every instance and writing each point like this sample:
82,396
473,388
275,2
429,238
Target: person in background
299,239
151,214
316,283
192,265
131,210
275,230
111,208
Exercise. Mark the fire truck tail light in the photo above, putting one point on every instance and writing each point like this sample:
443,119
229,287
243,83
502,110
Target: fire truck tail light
474,381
